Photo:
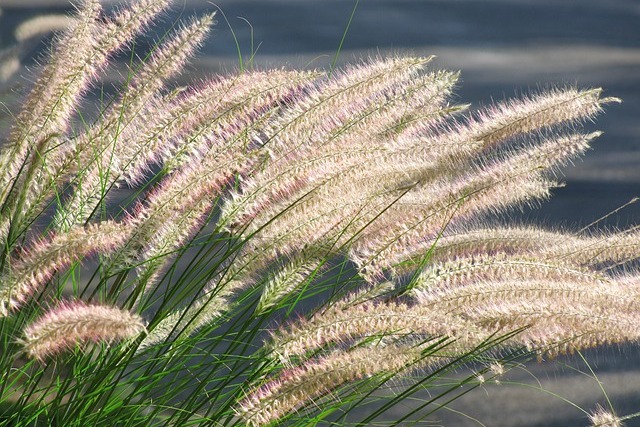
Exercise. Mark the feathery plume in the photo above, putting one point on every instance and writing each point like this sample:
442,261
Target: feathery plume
127,22
185,321
33,268
298,387
505,120
426,208
339,161
469,242
115,141
603,418
287,279
223,107
174,210
492,126
462,271
80,56
343,322
598,250
369,163
189,192
293,137
528,241
557,317
75,323
54,96
330,209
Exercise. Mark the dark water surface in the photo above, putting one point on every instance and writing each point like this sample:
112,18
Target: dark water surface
503,47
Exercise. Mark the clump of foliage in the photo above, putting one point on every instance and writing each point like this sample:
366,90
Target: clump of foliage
274,246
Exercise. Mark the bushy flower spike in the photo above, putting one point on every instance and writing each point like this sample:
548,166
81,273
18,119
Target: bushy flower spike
603,418
344,153
166,61
560,314
218,107
179,194
380,118
532,114
162,247
528,241
169,327
52,102
83,52
76,323
223,149
330,230
127,22
368,166
72,48
298,387
325,212
459,198
487,291
116,141
406,218
213,119
174,210
299,211
519,164
287,279
598,250
34,267
427,106
500,172
566,321
205,310
159,231
214,135
344,322
470,242
54,96
356,85
490,128
462,271
325,220
293,138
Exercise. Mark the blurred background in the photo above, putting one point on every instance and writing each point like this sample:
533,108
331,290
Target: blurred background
503,48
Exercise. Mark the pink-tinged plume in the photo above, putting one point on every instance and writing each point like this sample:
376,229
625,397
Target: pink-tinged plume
75,323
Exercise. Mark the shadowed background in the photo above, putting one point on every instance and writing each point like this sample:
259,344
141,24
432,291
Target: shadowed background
503,48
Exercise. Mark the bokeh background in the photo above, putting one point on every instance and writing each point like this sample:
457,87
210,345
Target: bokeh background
503,48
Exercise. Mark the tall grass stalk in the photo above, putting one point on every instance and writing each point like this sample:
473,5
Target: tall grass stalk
279,246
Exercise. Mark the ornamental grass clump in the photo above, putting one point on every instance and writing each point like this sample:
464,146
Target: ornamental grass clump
274,246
